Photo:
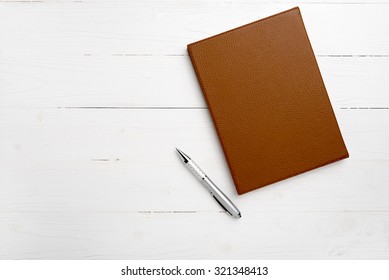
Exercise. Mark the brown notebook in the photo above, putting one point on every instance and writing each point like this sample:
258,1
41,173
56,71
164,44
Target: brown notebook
267,100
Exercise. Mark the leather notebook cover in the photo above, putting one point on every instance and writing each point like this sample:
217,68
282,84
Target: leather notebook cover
267,100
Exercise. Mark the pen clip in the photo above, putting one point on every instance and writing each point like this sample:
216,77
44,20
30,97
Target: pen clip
221,205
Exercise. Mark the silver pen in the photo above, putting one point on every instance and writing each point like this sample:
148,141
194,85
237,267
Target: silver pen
217,194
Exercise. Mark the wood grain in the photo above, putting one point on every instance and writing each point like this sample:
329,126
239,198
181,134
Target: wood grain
106,28
274,235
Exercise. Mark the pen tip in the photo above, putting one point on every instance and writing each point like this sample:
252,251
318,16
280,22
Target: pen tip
184,157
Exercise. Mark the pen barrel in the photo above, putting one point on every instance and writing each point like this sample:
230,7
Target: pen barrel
217,194
196,170
221,198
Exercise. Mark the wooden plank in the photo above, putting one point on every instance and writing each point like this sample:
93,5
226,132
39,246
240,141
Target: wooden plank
162,81
124,160
265,235
159,28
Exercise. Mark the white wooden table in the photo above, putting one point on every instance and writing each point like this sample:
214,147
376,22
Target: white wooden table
95,95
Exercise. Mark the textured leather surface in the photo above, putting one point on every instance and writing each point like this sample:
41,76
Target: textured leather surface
267,100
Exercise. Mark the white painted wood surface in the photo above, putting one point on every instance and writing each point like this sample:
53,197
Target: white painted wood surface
95,95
